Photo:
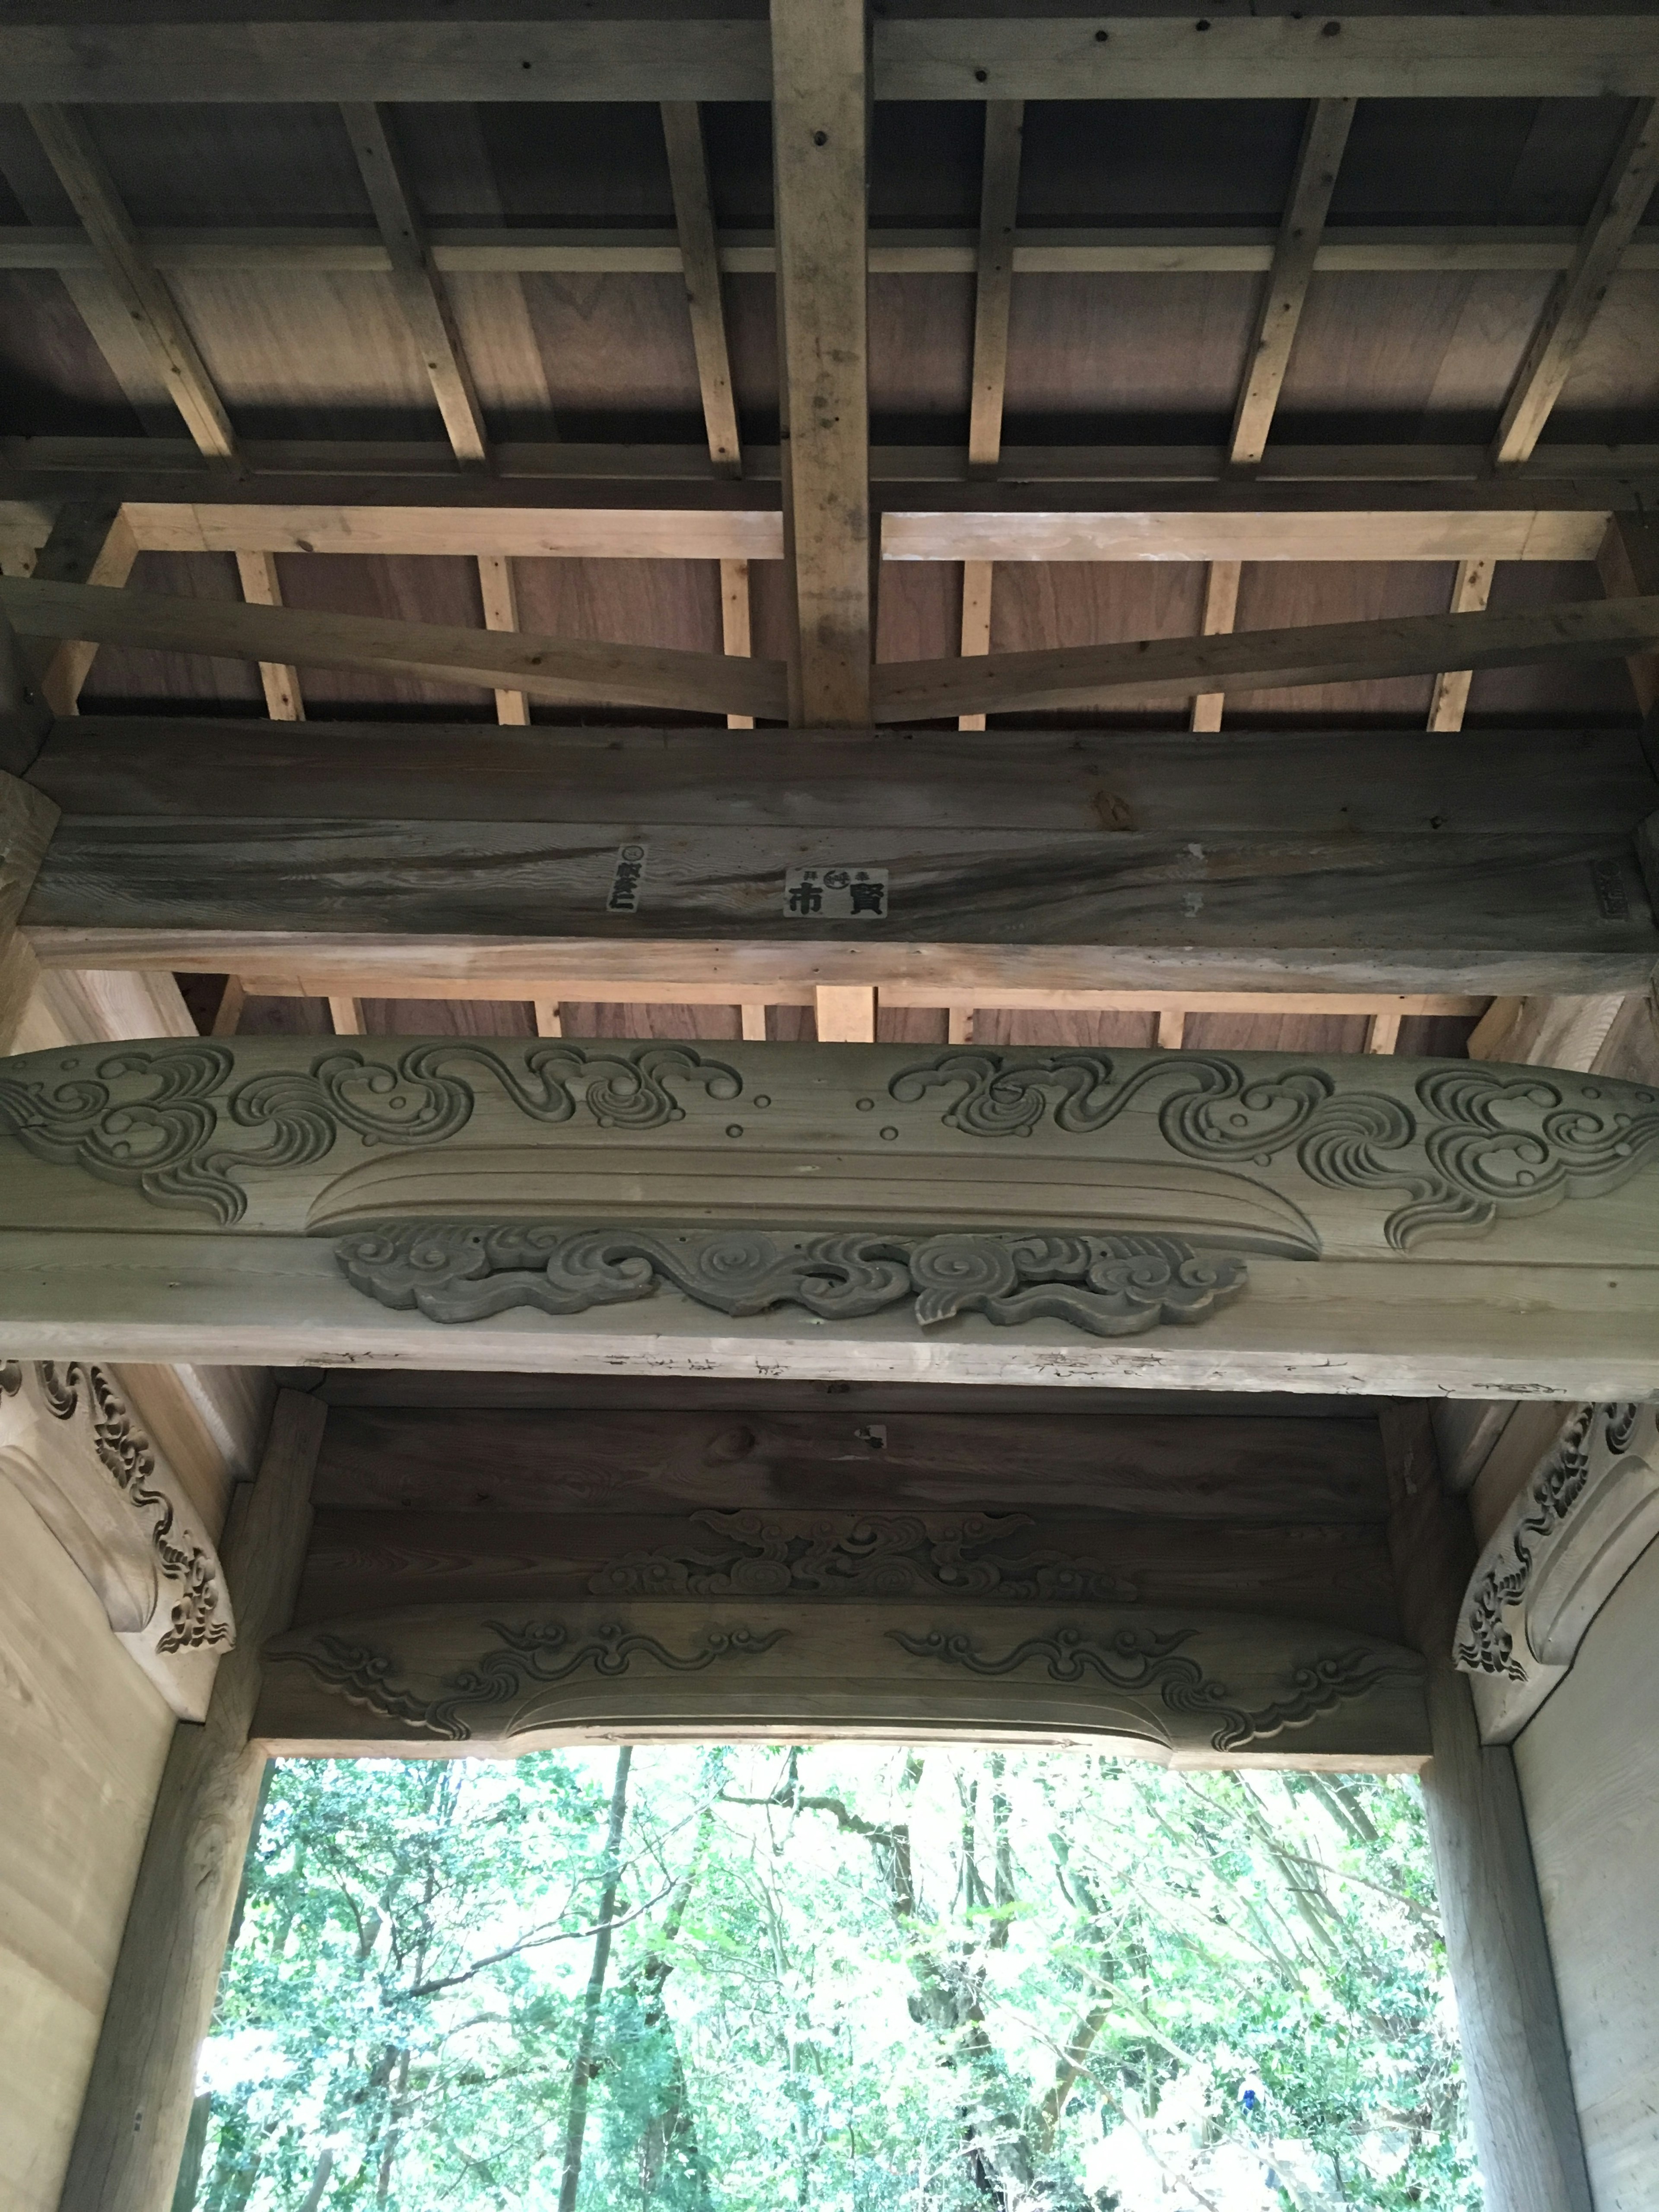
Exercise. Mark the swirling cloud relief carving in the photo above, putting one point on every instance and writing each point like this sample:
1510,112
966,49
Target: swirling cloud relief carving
153,1118
1478,1144
1113,1285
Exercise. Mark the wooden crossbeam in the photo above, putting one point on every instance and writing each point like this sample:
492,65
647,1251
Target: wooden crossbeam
91,541
547,668
501,612
603,55
693,214
819,123
420,289
1076,249
1572,306
1004,126
735,625
1325,652
1471,587
1324,136
69,146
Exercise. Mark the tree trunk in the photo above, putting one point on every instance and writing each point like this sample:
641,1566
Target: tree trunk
576,2122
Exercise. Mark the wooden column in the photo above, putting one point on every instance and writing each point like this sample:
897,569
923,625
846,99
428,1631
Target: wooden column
137,2104
1526,2123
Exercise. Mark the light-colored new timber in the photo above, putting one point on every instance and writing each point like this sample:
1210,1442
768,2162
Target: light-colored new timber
261,587
420,289
69,148
137,2102
1005,124
736,635
1220,606
1324,136
1515,2055
1471,588
501,612
977,579
819,106
1548,1032
1619,206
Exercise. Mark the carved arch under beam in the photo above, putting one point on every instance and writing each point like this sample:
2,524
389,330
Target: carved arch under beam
1185,1220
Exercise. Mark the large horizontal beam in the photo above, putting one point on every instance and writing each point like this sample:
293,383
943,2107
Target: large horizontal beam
1256,661
561,669
1195,249
1524,56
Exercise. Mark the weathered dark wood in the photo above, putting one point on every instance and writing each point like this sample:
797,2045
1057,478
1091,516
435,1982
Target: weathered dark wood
1537,911
1526,2125
1190,1468
137,2104
375,1562
1326,782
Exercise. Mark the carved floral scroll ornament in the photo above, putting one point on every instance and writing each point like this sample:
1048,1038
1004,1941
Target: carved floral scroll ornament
1110,1285
1586,1513
69,1442
753,1554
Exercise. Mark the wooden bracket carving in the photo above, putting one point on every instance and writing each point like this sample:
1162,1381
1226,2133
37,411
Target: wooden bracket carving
1582,1519
70,1443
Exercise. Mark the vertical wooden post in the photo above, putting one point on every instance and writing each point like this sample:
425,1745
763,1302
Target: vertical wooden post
1526,2123
137,2106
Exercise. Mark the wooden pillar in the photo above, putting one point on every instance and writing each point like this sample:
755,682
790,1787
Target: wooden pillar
137,2106
1525,2122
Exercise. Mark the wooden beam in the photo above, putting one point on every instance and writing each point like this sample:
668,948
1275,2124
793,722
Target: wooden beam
1383,1033
754,533
261,587
1171,1028
127,2148
546,668
501,612
1073,250
819,109
1339,531
420,289
1628,560
735,627
603,55
694,216
1572,307
846,1013
1004,125
1220,606
977,577
1324,136
1471,587
1545,1032
1515,2056
92,543
81,171
1327,652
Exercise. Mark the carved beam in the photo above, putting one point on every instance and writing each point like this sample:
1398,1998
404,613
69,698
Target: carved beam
1589,1512
1192,1691
69,1442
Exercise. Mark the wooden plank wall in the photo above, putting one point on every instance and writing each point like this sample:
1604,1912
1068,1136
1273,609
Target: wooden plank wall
83,1739
1588,1766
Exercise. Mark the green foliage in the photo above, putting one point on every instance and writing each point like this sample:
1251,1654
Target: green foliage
867,1980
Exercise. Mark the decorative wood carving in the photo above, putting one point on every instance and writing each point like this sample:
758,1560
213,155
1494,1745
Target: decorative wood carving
1109,1286
1189,1689
753,1555
1006,1216
70,1443
1582,1519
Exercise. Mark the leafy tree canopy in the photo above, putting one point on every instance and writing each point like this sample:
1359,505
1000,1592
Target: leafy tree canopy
694,1978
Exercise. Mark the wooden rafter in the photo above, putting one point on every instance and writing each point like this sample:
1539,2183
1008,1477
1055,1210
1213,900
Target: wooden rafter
1325,652
420,289
819,123
546,668
69,146
693,214
1572,307
735,627
1004,128
501,612
1220,606
91,541
261,587
1324,136
1471,588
